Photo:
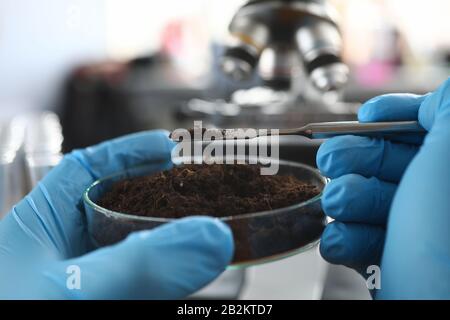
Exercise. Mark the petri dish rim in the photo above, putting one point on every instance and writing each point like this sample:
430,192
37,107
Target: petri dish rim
125,216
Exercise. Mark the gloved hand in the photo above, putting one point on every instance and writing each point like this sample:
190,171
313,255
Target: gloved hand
45,234
391,200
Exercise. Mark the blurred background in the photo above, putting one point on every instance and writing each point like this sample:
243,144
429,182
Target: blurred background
77,72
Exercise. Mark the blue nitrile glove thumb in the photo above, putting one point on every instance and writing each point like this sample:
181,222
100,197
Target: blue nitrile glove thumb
44,245
416,259
391,199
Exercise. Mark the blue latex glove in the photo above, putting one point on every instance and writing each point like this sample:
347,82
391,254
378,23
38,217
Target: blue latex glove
45,233
391,200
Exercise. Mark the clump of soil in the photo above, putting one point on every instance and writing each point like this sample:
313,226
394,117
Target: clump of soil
214,190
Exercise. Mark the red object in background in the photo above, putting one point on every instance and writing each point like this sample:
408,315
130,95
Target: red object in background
172,38
375,74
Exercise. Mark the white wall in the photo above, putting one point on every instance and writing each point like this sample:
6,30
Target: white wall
40,40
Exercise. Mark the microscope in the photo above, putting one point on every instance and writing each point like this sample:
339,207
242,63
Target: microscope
294,48
293,45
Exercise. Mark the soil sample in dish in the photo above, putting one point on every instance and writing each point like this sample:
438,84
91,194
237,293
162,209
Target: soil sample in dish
213,190
219,191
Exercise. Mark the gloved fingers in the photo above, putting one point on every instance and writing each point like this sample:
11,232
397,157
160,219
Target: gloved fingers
168,262
354,245
398,107
436,105
365,156
50,213
391,107
125,152
394,107
418,231
354,198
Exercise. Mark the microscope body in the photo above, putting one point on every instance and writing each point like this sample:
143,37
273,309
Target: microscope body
280,39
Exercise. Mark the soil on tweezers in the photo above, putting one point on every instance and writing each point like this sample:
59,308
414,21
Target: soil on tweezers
214,190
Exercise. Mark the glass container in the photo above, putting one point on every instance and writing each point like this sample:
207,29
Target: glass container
259,237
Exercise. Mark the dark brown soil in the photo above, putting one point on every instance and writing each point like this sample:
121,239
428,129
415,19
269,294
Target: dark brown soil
215,190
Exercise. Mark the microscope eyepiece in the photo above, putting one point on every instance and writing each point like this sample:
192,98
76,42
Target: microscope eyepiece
268,34
239,63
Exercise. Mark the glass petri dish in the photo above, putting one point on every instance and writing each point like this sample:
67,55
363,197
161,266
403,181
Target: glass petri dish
259,237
